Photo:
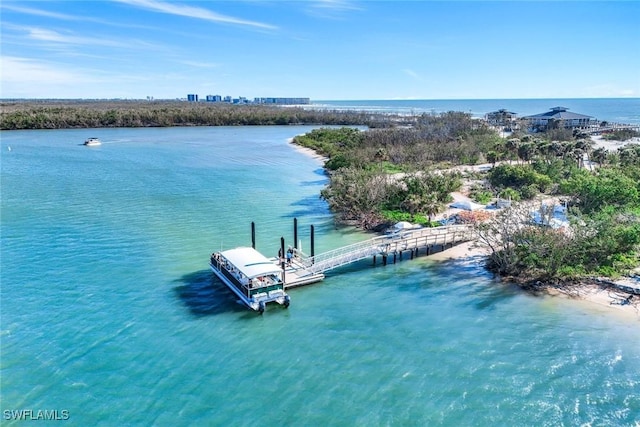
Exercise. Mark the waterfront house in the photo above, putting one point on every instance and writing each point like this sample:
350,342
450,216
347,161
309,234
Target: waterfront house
503,119
559,117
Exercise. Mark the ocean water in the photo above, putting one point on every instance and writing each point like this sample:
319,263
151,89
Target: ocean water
109,311
618,110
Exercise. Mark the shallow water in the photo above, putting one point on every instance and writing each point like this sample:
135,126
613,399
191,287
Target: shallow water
109,311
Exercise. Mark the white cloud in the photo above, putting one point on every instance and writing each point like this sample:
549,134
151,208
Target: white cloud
52,38
32,78
332,9
67,17
412,74
23,77
338,5
199,64
39,12
45,35
194,12
31,71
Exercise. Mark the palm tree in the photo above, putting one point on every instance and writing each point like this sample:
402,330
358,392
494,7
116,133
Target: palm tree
493,157
627,155
431,205
544,148
586,145
512,145
526,151
577,154
600,155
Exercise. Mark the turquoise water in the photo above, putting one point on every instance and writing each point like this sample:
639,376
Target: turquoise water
108,310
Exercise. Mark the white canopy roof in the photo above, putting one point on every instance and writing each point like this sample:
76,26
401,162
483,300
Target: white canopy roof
250,262
467,205
403,225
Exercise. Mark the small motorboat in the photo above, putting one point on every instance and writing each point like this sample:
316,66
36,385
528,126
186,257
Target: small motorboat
92,142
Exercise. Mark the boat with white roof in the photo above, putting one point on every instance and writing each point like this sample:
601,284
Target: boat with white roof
254,278
91,142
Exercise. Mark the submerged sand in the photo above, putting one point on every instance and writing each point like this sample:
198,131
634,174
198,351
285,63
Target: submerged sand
595,296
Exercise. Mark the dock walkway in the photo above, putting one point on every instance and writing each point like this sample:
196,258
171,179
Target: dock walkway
305,269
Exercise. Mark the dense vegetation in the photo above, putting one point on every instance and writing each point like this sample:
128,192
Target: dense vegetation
386,175
94,114
449,138
603,207
369,197
363,189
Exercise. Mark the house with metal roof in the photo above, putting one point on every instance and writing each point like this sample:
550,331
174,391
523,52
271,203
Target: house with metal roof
501,117
559,117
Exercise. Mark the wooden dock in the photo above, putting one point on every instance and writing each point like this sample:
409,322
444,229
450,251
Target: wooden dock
305,269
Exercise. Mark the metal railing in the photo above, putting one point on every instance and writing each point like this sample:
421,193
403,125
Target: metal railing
409,239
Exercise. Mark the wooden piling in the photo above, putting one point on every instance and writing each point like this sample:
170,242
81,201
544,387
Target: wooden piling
282,259
253,234
312,241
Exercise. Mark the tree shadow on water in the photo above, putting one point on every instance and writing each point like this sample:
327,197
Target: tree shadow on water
493,297
315,183
469,281
309,206
204,294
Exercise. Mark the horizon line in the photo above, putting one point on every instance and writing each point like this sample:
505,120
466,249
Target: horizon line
320,100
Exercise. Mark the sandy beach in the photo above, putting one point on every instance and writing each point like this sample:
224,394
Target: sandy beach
598,297
611,145
309,152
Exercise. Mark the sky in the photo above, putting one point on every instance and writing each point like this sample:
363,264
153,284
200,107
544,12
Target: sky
319,49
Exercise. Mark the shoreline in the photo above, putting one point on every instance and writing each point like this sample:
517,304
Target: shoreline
599,297
594,296
308,152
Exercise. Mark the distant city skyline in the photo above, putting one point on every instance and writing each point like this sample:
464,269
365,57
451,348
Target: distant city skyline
323,50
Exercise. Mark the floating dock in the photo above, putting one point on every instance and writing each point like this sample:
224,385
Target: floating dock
258,280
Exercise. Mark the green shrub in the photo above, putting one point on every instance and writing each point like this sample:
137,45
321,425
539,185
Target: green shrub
396,216
621,135
607,271
481,196
568,272
420,219
337,161
529,192
510,194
